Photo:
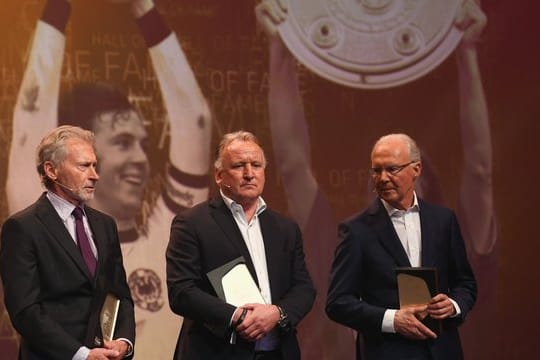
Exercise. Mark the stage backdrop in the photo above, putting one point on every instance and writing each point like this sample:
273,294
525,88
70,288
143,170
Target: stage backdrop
481,161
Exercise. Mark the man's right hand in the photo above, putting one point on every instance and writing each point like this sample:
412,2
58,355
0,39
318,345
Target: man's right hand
102,354
270,13
407,323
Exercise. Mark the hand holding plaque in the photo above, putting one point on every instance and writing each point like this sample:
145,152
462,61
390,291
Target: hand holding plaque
417,286
234,284
108,316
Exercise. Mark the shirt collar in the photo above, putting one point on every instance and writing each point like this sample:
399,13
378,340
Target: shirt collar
393,211
233,205
63,207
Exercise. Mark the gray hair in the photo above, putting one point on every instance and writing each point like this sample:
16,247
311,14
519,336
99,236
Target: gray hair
414,150
227,139
53,148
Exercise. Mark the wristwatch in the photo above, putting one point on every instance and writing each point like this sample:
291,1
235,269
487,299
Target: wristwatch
283,321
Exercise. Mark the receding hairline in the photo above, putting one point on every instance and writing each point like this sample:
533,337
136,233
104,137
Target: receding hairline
237,136
412,147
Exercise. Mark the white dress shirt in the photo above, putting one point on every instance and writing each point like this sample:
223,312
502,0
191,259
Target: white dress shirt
407,226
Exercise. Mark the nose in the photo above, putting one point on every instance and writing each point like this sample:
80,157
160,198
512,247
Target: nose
248,172
93,173
383,177
138,154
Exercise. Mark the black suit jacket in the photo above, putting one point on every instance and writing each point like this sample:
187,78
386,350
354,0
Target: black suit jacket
363,281
206,237
51,299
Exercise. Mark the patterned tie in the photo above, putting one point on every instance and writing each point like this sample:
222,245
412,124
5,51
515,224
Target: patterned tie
84,243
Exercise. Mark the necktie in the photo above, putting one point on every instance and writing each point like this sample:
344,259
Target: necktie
82,240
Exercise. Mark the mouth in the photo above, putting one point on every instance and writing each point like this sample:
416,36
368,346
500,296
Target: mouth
135,179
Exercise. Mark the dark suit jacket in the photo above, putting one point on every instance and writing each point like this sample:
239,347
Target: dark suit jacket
363,280
51,299
206,237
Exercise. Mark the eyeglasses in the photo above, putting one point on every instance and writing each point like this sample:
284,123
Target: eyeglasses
390,170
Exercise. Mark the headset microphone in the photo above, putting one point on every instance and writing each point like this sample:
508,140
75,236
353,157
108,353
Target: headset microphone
63,186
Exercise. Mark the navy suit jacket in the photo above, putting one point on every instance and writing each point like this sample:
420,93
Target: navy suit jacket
206,237
50,296
363,280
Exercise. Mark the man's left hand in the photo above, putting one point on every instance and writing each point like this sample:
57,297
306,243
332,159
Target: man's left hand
118,345
471,20
440,307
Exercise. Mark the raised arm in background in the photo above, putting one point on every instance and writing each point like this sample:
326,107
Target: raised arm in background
35,110
290,137
188,112
476,211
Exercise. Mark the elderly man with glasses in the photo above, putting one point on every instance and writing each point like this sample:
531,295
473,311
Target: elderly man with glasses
400,230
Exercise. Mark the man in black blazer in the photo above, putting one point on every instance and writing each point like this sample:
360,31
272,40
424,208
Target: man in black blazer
237,223
59,259
400,230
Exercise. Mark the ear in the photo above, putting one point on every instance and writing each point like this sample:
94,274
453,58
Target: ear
417,169
217,176
50,170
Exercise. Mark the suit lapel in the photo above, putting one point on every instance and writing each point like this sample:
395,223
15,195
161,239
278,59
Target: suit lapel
429,237
387,235
99,232
223,217
273,245
54,225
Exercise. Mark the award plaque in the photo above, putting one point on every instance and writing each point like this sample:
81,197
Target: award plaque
234,284
370,44
108,315
416,286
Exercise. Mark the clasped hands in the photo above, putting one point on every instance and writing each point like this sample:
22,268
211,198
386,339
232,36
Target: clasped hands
114,350
408,321
259,320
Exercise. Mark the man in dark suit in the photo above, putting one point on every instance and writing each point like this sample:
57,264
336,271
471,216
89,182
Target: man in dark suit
400,230
237,223
59,259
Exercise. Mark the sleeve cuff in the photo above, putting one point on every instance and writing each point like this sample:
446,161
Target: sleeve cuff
153,28
190,180
81,354
387,325
130,346
56,13
456,306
